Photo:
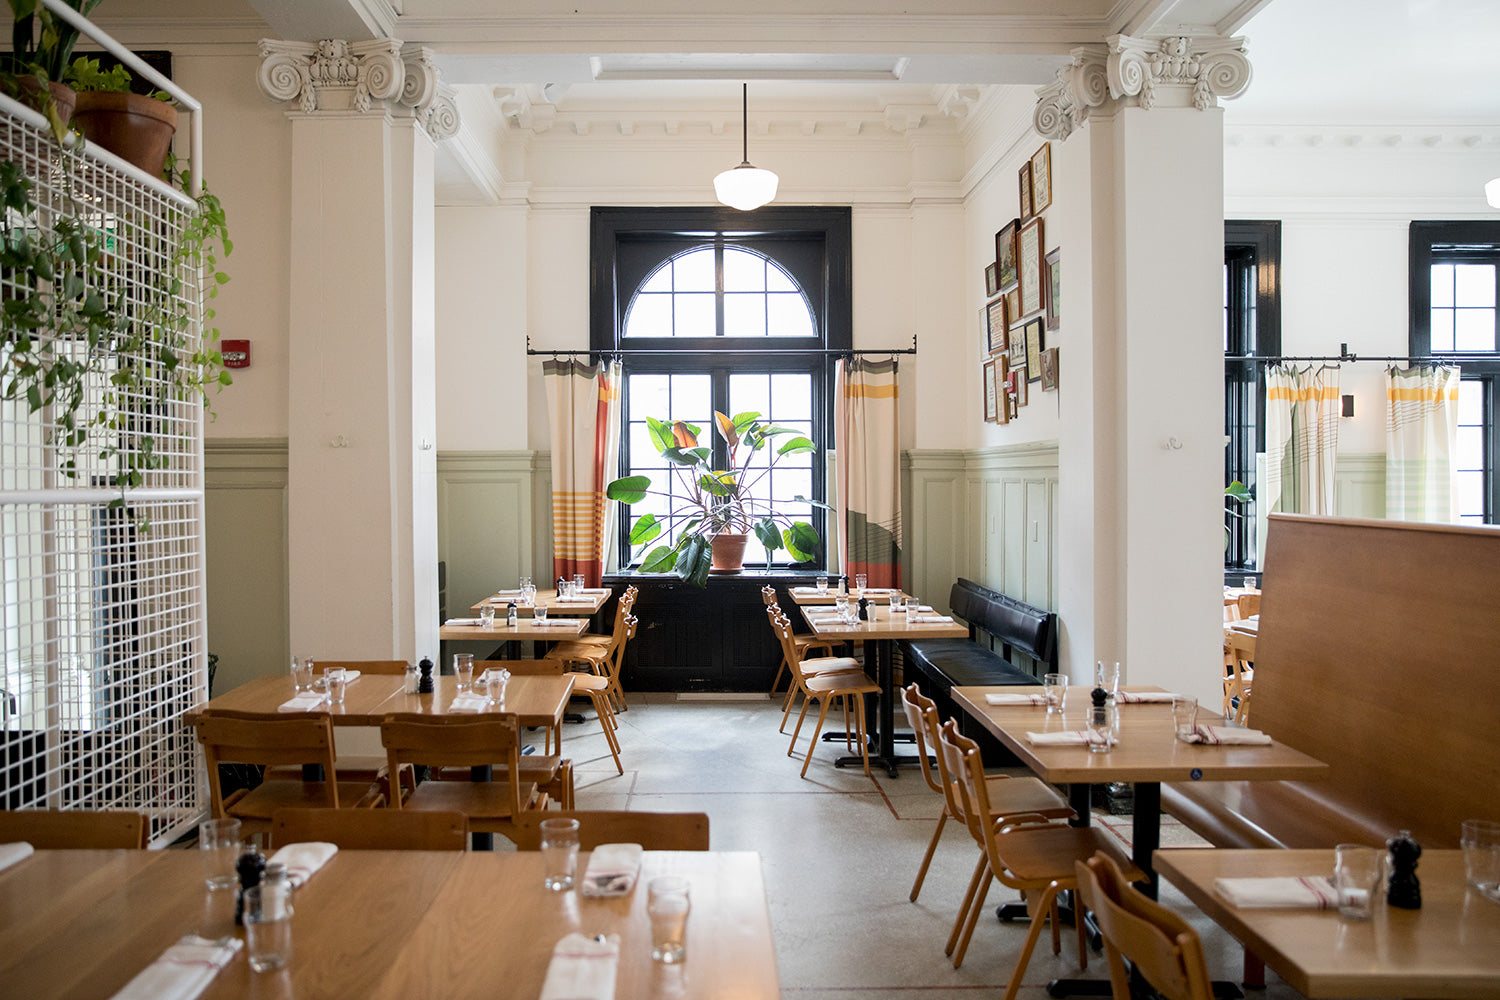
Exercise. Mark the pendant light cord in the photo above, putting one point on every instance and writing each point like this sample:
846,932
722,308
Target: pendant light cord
744,123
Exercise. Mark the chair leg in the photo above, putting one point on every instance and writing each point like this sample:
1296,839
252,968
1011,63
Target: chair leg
1081,925
1056,928
916,887
822,716
791,699
864,741
1044,907
973,918
780,673
844,701
981,870
806,702
601,709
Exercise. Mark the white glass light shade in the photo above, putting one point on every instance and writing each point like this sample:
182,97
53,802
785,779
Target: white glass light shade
745,187
1492,193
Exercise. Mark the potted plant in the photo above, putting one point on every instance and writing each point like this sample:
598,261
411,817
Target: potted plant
35,69
720,507
138,128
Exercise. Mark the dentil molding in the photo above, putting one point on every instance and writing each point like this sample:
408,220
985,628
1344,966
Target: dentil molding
1178,71
381,75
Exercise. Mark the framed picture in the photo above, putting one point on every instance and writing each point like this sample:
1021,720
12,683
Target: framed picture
1049,369
1023,395
991,409
1034,349
1053,283
1024,182
998,374
1041,179
991,280
1029,266
1005,254
1013,306
1015,345
995,325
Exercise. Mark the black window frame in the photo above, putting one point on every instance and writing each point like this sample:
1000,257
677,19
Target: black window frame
1252,249
1435,242
826,279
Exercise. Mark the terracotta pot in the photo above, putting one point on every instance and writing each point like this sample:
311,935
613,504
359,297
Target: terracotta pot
63,96
137,129
728,552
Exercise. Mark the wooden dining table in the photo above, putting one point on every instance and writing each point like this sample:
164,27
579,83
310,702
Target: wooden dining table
597,597
1450,948
378,924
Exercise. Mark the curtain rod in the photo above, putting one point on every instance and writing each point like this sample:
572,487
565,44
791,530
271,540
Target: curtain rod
669,352
1343,355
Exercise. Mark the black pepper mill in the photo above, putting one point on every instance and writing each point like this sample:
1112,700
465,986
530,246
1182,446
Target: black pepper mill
424,683
1404,890
864,610
251,868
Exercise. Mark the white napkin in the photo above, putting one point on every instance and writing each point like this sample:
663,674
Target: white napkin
556,623
1226,735
509,593
810,591
469,702
1144,697
930,619
183,971
1066,737
11,854
1015,699
582,969
575,599
305,701
1289,891
302,861
350,676
612,870
464,621
594,590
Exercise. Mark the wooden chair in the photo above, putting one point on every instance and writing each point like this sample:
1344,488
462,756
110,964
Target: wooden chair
1025,853
74,829
604,658
452,741
1164,949
622,610
803,666
653,831
1008,796
371,829
1248,605
804,644
1239,659
843,681
594,687
247,738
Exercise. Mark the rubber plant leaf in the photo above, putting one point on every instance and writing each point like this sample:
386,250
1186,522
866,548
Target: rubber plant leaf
647,528
661,559
727,429
685,435
630,489
768,533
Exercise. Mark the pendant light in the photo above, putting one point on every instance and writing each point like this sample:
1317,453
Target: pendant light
1492,193
745,187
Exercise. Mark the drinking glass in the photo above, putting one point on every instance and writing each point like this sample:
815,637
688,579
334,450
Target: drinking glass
1056,686
578,583
463,669
219,848
524,584
859,584
1103,721
268,925
539,614
1356,877
1481,844
487,615
498,681
822,584
1249,583
1184,716
1109,678
668,902
559,853
913,610
528,596
302,675
335,681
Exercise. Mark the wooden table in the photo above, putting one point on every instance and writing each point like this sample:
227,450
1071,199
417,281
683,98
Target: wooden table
810,597
263,695
1448,948
548,599
378,924
1148,754
878,634
524,628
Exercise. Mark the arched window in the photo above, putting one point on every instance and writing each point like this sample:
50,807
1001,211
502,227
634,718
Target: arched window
684,297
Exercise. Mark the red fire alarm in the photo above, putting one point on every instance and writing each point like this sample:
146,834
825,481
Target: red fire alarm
236,353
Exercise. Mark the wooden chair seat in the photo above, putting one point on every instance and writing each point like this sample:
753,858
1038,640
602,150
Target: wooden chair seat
819,665
261,802
480,801
74,829
847,687
551,773
371,829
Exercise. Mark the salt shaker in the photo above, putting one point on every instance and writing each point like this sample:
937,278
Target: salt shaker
413,676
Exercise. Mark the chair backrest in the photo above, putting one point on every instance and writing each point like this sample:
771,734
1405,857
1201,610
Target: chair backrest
74,829
653,831
954,749
371,829
1159,943
782,626
386,667
768,595
917,707
533,668
1248,604
248,738
454,741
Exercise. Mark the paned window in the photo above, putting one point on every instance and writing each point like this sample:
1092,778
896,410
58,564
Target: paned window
1252,329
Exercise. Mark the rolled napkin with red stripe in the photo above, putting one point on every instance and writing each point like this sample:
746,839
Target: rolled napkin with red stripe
468,701
302,861
582,969
1144,697
557,622
1282,892
1225,736
464,621
183,971
11,854
930,619
612,870
575,599
304,702
1015,699
1068,738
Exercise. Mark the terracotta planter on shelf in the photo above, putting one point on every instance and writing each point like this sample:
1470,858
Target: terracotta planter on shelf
728,553
63,96
137,129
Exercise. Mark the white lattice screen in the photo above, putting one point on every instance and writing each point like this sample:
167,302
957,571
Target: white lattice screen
101,608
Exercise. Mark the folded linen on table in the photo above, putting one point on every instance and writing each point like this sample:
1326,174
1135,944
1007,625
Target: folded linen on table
306,701
931,619
1226,736
1144,697
510,593
557,622
582,969
183,971
594,590
810,591
1015,699
575,599
350,676
468,701
1288,891
612,870
302,861
1067,738
11,854
464,621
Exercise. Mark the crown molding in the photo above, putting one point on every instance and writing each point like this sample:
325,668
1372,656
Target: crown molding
1449,137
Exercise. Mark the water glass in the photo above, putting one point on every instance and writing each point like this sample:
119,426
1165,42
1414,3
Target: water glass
1184,716
1109,678
1357,874
578,583
524,584
559,853
219,848
1104,723
1056,687
1481,844
463,669
913,610
1249,583
268,925
498,681
302,675
539,614
335,681
668,903
487,615
822,584
859,584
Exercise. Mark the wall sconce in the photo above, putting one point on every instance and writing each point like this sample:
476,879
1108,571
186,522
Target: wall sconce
1348,406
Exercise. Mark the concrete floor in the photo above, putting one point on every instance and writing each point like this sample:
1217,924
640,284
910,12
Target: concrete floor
839,852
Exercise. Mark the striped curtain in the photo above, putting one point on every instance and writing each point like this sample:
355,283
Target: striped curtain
583,401
867,438
1421,443
1302,439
